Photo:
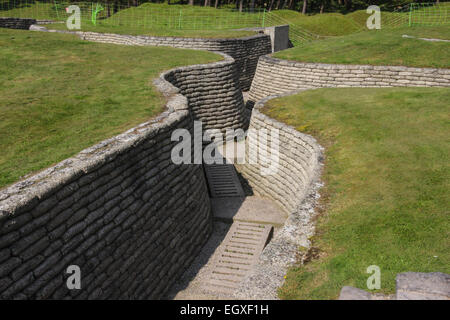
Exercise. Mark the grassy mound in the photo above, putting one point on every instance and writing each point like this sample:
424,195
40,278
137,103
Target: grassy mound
387,180
34,10
158,32
388,19
148,19
60,95
183,17
378,47
327,24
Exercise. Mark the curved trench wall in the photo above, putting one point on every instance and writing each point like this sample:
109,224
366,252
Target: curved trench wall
275,76
121,210
299,156
245,51
295,184
294,188
213,94
298,152
16,23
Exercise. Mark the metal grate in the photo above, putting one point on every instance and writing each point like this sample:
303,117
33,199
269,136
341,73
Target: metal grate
238,253
223,181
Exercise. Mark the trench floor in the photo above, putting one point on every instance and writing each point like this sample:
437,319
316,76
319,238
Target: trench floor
243,225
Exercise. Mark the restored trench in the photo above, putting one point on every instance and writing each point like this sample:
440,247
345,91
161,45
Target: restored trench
141,227
135,222
243,225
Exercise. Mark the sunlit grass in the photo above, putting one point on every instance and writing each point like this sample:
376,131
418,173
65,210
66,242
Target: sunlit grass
378,47
387,179
60,94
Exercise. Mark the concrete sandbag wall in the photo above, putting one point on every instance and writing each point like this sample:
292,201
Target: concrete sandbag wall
275,76
121,210
16,23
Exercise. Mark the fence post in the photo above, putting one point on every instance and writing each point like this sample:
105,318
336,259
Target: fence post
263,18
56,9
410,11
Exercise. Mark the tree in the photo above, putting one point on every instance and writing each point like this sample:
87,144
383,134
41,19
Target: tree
271,4
252,5
304,6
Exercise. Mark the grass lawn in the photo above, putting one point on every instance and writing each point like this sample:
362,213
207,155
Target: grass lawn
387,178
391,19
337,24
379,47
157,32
60,94
148,19
327,24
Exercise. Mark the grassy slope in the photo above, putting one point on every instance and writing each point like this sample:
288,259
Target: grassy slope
195,18
149,19
36,10
159,16
387,181
388,19
381,47
59,94
327,24
158,32
190,17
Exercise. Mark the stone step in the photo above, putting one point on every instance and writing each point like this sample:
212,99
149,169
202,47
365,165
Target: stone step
228,269
218,291
223,181
251,209
236,255
222,276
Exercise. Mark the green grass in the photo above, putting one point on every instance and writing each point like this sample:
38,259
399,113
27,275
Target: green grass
60,94
388,19
429,15
150,19
186,21
304,28
327,24
157,32
184,17
386,185
378,47
337,24
27,9
428,32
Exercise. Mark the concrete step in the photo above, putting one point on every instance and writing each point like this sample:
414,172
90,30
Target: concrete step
229,265
251,209
223,181
232,252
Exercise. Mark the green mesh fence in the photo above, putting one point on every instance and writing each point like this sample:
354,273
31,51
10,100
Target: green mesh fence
144,16
297,34
112,16
429,14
